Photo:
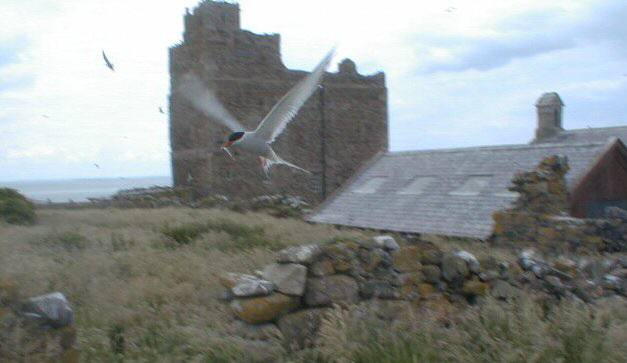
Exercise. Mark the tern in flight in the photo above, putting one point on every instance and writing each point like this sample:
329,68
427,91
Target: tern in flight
107,62
258,142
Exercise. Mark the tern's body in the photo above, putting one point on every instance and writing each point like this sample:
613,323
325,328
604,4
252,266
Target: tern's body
255,145
257,142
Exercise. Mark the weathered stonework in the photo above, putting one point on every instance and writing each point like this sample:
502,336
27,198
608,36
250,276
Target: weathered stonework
539,217
340,127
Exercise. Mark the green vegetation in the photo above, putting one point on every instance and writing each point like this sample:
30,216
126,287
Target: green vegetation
135,301
67,240
241,236
15,208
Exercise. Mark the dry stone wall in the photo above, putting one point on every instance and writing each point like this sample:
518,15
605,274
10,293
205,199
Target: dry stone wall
286,301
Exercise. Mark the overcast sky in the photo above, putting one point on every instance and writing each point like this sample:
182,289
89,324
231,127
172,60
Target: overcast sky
459,73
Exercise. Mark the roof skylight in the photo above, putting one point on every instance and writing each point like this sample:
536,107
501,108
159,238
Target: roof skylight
417,186
473,185
370,186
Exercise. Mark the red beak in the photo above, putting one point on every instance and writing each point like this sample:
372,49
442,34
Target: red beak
227,144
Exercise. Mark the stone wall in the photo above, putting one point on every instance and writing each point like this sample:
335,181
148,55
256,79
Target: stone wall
338,129
285,302
539,217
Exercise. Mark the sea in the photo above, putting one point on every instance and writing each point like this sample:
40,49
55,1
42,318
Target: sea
78,190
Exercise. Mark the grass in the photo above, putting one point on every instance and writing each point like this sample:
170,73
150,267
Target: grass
143,284
15,208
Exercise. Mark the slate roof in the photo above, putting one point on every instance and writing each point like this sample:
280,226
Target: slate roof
376,198
597,134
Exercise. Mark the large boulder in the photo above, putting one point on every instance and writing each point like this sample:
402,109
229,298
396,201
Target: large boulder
454,268
300,328
265,308
471,260
242,285
502,290
289,278
336,289
388,243
431,273
322,267
51,309
379,289
299,254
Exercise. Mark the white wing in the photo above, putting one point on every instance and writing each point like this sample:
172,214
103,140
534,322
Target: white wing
284,111
205,101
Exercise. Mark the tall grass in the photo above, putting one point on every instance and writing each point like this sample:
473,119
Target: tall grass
135,300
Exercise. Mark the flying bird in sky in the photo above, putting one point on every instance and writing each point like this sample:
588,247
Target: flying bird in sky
107,62
97,166
161,110
259,140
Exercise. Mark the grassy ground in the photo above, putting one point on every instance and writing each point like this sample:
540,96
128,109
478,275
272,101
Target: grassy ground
149,277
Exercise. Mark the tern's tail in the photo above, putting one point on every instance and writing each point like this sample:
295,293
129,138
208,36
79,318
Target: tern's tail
278,160
281,161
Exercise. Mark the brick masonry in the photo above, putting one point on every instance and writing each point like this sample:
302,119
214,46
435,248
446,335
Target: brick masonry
340,127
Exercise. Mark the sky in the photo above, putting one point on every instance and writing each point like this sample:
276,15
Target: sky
459,73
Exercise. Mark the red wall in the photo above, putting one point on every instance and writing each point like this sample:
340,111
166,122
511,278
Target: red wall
606,181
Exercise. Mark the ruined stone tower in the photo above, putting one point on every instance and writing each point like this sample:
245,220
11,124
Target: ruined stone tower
339,128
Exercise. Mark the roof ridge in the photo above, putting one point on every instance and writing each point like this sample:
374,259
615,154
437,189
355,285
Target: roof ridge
597,128
494,147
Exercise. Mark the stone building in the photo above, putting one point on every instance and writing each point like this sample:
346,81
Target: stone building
455,192
341,126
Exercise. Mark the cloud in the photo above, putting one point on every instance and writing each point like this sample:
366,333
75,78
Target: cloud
454,79
525,34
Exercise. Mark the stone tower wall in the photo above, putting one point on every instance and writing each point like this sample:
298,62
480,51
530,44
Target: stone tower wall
339,127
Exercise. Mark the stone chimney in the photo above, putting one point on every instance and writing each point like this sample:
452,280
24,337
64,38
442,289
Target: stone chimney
549,110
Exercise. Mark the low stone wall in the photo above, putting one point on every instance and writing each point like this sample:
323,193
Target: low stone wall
287,300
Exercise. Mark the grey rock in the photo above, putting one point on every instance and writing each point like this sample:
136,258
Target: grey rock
616,213
51,309
335,289
502,290
289,278
432,273
322,267
250,287
379,289
299,254
454,268
555,285
300,329
471,260
431,256
388,243
225,295
611,282
488,276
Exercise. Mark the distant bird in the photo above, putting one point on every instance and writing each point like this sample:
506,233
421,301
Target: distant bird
45,116
161,110
450,9
107,62
258,141
97,166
